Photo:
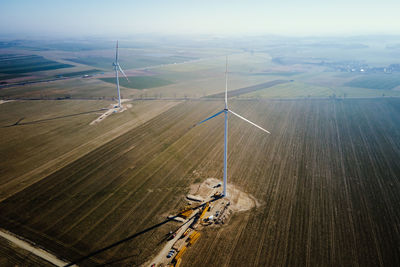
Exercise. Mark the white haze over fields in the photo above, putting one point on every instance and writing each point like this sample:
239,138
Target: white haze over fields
283,17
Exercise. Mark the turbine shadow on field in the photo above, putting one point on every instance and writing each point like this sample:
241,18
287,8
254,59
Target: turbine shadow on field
118,260
120,242
19,123
91,254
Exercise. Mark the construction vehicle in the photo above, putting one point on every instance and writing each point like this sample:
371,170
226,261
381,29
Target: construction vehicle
186,232
178,262
170,253
187,207
217,195
172,236
193,234
194,239
204,210
179,244
186,212
180,253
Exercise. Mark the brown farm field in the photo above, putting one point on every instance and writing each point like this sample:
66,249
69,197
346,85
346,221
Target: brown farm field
12,255
38,137
327,178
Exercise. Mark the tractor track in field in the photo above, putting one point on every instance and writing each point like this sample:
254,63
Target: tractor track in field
325,178
32,248
50,167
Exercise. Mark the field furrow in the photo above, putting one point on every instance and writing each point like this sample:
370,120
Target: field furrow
326,180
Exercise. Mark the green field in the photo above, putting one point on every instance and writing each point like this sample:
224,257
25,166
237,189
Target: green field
206,77
80,73
284,74
200,79
250,89
139,82
129,61
89,88
376,81
98,62
304,90
25,64
9,76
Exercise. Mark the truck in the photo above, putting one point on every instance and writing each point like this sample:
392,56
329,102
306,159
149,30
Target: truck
172,236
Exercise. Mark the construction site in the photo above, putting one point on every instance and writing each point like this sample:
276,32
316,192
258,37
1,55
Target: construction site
206,207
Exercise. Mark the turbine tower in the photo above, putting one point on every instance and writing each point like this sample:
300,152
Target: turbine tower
117,68
226,111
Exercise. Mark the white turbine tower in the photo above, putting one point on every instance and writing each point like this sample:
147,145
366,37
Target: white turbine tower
117,68
226,111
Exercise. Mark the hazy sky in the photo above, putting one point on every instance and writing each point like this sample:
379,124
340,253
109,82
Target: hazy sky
285,17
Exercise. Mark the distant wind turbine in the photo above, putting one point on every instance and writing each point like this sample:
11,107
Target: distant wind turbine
226,110
117,68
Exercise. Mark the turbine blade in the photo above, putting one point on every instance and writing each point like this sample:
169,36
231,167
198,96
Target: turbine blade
259,127
123,73
209,118
226,83
116,53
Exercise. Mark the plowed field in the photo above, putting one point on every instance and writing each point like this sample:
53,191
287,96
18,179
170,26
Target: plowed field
327,178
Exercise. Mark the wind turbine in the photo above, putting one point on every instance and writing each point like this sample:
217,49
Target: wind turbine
117,68
226,111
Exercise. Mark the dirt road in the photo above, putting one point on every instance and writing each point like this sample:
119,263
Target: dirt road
162,255
31,248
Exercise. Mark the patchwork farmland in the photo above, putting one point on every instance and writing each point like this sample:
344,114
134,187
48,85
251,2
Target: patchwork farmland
327,179
376,81
31,63
139,82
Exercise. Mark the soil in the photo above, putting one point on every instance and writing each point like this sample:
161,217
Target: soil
239,200
112,109
46,255
5,101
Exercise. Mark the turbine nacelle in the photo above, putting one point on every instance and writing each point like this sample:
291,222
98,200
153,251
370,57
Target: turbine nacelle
225,110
